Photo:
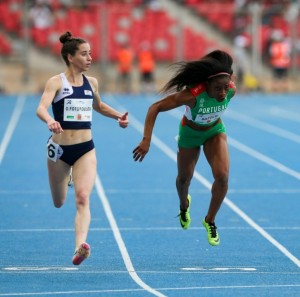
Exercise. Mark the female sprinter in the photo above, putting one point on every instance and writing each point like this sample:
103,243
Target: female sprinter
205,88
73,97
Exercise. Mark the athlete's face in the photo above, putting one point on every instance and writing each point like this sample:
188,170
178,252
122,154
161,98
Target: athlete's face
218,87
82,59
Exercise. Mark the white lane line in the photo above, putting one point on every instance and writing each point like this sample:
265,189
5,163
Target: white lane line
12,125
181,271
284,114
231,287
202,288
141,229
39,268
119,240
250,121
172,155
219,269
25,193
261,157
72,292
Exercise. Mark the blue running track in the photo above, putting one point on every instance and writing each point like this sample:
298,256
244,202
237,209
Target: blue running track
138,247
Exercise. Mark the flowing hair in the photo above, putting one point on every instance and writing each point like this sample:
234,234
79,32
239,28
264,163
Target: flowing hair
195,72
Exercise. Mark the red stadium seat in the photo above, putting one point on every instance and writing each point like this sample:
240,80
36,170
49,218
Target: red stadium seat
5,46
40,36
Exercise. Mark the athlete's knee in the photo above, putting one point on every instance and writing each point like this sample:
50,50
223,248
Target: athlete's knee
58,203
183,180
221,178
82,198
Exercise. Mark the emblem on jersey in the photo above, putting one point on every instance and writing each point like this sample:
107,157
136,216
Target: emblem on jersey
201,101
66,91
88,92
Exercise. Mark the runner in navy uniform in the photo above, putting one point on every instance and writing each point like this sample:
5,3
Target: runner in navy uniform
73,97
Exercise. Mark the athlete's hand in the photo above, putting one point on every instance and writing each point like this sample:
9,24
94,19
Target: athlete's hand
123,120
54,126
141,150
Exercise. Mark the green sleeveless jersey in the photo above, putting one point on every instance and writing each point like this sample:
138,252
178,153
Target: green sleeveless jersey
207,110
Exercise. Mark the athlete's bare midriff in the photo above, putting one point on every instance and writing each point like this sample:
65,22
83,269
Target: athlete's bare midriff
69,136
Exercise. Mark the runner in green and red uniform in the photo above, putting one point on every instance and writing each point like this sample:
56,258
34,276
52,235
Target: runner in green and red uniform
205,88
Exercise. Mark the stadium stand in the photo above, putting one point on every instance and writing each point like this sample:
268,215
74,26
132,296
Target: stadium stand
5,45
130,22
11,15
106,24
135,22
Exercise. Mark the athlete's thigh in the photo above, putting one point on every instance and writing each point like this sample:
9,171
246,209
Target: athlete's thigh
187,159
59,174
84,172
216,152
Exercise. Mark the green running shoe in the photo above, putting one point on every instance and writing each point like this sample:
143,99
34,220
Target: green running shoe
184,216
212,233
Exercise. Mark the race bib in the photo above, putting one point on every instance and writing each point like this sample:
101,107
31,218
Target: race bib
207,118
54,151
78,110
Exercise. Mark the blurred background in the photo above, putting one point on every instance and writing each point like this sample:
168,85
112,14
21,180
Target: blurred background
134,41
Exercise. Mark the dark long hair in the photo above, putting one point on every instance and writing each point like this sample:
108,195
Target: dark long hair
195,72
70,45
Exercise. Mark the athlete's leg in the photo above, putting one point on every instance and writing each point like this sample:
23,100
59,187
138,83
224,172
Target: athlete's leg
216,152
84,174
59,174
186,161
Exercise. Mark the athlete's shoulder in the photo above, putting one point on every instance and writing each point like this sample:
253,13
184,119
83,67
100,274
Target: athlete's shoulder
93,82
197,89
91,79
55,78
54,82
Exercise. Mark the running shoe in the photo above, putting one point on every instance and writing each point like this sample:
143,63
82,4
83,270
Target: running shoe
184,216
81,253
212,233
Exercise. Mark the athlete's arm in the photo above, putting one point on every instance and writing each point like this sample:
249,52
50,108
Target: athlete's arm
51,88
170,102
105,109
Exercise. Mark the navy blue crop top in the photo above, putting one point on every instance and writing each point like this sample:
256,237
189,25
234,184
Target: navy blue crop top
72,107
